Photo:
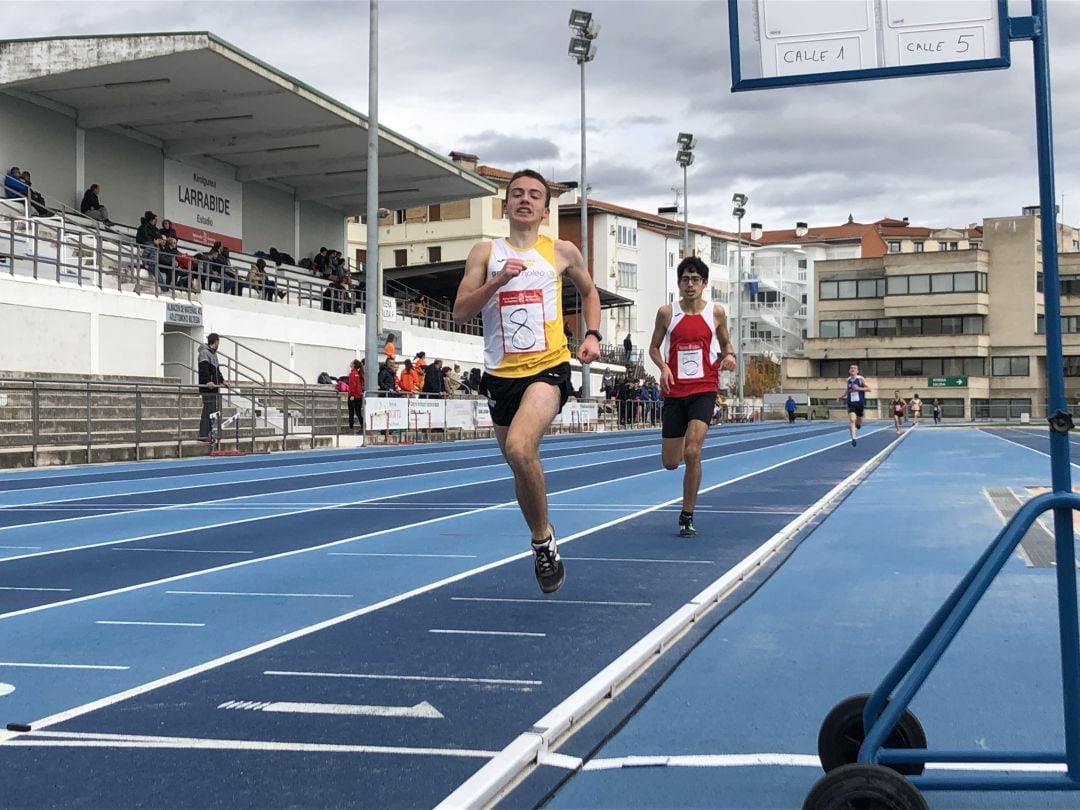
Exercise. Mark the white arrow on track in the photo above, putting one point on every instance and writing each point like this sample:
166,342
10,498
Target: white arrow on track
7,689
421,711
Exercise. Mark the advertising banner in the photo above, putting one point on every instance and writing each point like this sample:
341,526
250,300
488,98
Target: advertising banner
386,413
460,414
483,414
204,205
425,414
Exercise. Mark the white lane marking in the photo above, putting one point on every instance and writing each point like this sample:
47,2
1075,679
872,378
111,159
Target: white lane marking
236,655
183,550
20,548
204,527
35,665
547,601
433,678
638,560
389,554
1042,453
526,748
772,759
488,633
261,593
152,624
6,689
421,711
17,588
71,739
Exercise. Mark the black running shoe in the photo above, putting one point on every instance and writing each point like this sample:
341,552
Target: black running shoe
686,526
550,572
852,442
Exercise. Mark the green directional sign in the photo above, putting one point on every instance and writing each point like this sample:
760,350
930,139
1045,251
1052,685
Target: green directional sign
946,382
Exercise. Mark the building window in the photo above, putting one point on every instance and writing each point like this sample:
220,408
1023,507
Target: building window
894,247
1009,366
718,295
919,247
627,236
627,275
670,260
718,251
401,257
434,213
399,216
434,254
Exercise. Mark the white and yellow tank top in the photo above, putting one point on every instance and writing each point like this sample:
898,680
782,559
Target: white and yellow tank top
523,325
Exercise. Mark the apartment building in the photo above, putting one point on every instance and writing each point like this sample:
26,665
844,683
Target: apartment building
962,325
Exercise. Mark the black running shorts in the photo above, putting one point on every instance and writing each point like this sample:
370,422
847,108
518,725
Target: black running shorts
504,393
856,408
680,411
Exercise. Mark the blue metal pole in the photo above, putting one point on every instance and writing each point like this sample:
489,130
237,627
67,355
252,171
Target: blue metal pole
1055,379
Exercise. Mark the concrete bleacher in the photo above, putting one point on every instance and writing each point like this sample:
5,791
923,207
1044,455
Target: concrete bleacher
72,419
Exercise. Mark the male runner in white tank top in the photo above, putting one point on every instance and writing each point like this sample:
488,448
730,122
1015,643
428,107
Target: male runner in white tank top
517,284
690,345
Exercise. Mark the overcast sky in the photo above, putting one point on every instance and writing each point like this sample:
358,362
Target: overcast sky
494,78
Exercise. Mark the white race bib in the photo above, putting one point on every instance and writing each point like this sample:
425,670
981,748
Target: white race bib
691,363
521,314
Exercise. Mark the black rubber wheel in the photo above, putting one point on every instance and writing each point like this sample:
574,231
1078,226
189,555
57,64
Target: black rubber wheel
864,787
842,734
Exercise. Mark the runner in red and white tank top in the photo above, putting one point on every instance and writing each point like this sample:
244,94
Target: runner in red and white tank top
690,346
692,352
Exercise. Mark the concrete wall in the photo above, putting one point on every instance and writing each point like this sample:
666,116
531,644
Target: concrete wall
129,172
269,219
319,226
35,138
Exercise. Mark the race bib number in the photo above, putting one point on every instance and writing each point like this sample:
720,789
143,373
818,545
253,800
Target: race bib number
521,313
856,397
691,363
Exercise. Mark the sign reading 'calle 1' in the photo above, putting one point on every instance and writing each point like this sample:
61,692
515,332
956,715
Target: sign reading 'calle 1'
946,382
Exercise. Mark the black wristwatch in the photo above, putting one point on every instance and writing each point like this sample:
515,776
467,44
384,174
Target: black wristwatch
595,333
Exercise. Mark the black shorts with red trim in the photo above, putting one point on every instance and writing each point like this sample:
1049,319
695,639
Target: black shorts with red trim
504,393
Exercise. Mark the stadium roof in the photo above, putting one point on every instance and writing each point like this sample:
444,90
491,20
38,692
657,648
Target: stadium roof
196,95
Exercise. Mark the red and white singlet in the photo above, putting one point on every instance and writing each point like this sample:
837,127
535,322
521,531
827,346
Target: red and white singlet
692,352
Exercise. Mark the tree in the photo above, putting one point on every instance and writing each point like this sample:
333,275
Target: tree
762,375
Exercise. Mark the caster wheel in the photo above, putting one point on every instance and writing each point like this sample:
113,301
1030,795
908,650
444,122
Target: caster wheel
864,787
842,734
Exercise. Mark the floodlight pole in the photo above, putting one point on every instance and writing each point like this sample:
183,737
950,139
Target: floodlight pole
372,270
739,310
586,372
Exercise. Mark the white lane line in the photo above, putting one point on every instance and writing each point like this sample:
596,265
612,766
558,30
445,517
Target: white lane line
71,739
772,760
262,593
420,711
50,590
389,554
183,550
432,678
488,633
237,655
35,665
548,601
639,560
455,485
152,624
20,548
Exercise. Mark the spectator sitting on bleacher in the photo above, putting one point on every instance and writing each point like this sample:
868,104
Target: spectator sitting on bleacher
332,296
206,267
36,199
167,228
91,206
453,380
152,259
259,281
229,277
167,255
186,270
475,378
388,383
14,187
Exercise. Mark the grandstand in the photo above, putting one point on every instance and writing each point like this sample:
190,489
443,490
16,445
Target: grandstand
229,150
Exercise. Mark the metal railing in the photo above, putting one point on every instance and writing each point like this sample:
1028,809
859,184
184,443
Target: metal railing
87,414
